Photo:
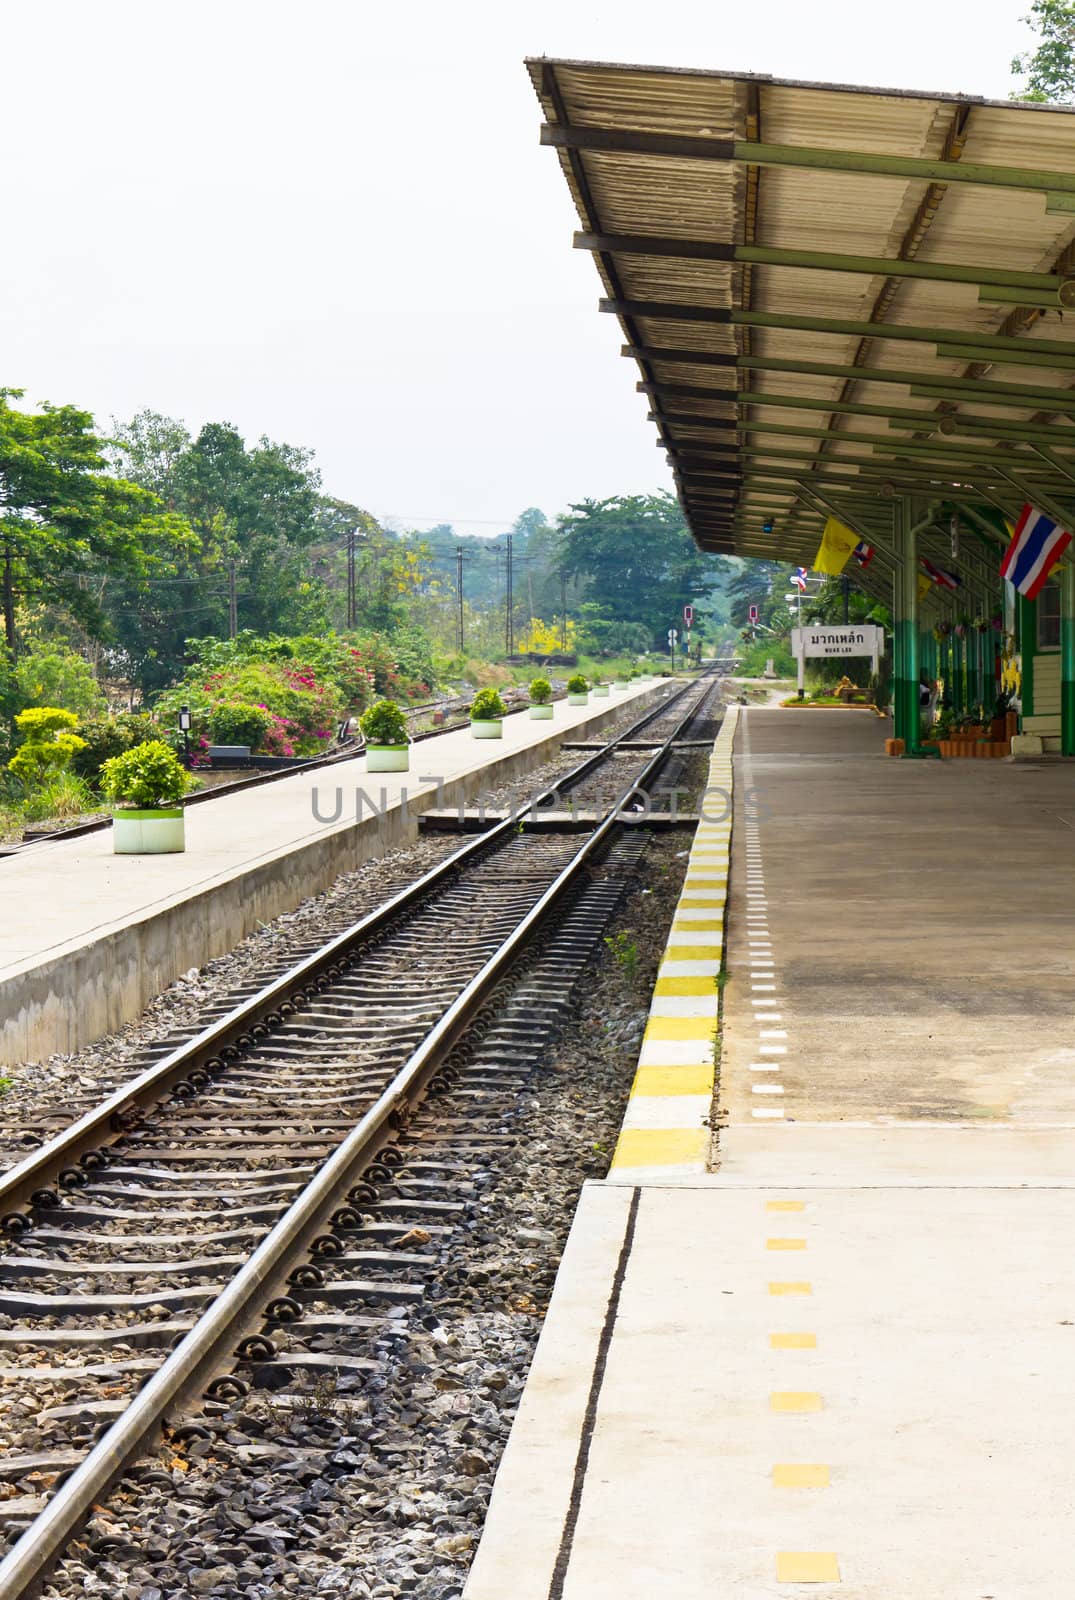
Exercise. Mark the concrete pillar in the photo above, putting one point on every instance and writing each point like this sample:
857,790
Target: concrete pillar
905,696
1067,659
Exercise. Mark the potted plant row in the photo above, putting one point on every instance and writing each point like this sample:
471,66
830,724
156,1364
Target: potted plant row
384,726
145,785
487,713
578,691
973,736
541,700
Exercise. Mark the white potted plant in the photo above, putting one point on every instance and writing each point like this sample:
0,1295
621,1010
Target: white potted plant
487,713
599,689
145,785
541,700
622,682
578,691
387,740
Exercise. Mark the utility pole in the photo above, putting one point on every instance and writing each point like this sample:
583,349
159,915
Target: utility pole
563,613
233,602
459,592
352,599
509,629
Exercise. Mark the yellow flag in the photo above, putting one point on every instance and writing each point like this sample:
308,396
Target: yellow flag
924,585
837,543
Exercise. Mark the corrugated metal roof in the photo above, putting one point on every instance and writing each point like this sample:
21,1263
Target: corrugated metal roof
724,348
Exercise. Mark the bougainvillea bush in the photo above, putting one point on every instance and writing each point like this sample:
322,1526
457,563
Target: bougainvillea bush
278,708
285,696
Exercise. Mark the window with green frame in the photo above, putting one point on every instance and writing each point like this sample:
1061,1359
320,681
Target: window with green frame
1049,617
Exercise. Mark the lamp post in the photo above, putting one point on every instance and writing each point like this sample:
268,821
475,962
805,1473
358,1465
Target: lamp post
184,728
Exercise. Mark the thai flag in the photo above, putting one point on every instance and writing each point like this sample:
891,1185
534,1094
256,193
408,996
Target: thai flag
1036,547
863,553
799,579
941,575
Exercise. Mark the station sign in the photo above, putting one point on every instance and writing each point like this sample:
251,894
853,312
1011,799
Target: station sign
862,639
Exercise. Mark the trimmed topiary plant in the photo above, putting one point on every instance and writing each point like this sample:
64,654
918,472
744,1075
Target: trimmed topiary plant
49,743
146,784
578,690
239,722
385,728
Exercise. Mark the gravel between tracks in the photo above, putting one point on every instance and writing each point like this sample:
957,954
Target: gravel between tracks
381,1489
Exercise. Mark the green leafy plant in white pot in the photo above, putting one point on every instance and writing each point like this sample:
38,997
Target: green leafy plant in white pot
145,785
487,713
541,700
599,689
387,740
623,681
578,691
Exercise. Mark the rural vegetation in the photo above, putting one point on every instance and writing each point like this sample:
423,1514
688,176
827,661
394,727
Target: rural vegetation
145,568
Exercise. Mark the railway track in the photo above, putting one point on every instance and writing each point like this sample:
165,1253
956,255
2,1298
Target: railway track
268,1200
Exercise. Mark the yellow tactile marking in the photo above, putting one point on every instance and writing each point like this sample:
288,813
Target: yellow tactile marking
791,1288
692,952
785,1205
794,1400
676,1058
680,1028
807,1566
793,1341
703,988
661,1147
801,1475
672,1080
785,1244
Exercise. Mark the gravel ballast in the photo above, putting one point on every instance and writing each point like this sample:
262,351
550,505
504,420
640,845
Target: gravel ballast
374,1489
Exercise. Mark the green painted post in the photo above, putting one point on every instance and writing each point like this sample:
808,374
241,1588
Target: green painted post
1067,659
905,699
1028,643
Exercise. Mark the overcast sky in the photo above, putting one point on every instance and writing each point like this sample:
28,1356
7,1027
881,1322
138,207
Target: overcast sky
332,222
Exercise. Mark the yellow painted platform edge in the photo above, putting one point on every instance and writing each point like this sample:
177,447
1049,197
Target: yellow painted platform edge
685,1151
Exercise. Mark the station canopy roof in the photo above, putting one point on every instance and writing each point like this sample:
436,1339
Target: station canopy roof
834,295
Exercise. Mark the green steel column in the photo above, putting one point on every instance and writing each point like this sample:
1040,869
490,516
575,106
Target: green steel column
905,699
1067,659
1028,644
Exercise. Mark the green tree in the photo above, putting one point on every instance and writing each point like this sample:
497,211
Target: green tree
758,583
1049,69
636,558
66,524
256,514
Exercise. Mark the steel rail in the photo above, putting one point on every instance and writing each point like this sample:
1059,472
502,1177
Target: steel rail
236,1309
225,1037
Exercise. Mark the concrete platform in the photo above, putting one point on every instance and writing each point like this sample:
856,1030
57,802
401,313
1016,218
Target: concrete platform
87,938
843,1358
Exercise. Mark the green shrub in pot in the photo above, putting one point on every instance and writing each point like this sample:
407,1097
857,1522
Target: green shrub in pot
146,784
384,726
541,700
578,691
487,712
